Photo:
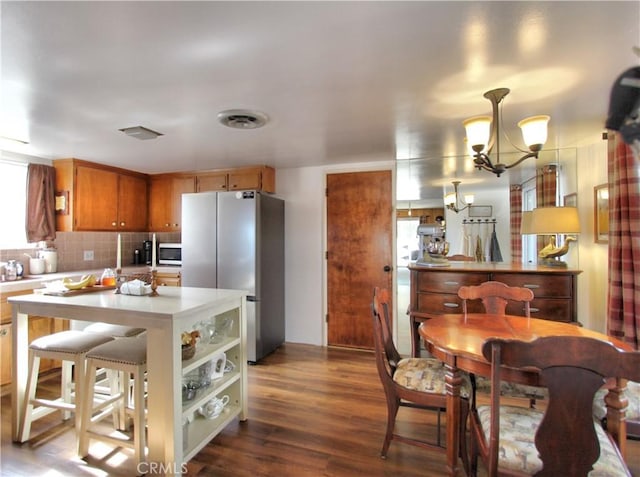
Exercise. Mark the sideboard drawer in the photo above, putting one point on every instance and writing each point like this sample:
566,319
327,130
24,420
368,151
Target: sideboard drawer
448,282
540,285
439,303
555,309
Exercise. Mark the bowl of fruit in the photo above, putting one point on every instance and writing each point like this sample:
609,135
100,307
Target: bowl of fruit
189,340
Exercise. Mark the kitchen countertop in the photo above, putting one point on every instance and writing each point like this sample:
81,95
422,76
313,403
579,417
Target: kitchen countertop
37,281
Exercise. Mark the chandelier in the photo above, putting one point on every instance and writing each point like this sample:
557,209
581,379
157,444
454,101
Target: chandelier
452,201
483,133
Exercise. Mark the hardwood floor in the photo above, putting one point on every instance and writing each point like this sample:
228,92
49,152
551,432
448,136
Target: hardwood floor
313,411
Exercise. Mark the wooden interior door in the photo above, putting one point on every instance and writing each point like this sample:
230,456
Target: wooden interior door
359,253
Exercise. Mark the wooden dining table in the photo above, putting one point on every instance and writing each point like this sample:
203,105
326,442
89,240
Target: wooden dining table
457,339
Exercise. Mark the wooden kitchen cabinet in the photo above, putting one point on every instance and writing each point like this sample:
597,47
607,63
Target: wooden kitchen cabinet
169,279
212,182
38,326
260,178
165,201
101,197
434,291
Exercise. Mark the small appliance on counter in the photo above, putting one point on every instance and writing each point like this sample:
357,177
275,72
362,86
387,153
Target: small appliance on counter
170,253
50,256
147,247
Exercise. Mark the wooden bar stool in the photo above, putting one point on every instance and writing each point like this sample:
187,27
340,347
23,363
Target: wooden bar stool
116,331
128,356
71,348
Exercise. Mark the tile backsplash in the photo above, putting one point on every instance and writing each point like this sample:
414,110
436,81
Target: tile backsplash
72,245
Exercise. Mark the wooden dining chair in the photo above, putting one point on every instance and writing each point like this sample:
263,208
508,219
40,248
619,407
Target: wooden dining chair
410,382
495,297
632,414
565,440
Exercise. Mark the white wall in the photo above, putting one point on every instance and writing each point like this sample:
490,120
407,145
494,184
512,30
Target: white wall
593,281
303,192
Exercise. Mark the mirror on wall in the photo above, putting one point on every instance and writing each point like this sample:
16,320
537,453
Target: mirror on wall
422,183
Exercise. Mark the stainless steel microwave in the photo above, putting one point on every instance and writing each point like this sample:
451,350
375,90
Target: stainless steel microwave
169,253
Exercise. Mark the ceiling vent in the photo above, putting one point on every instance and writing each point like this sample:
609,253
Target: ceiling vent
242,119
140,132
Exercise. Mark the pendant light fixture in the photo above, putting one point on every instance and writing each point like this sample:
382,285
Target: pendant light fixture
452,200
483,133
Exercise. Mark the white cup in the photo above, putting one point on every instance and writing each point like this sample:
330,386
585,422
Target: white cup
36,266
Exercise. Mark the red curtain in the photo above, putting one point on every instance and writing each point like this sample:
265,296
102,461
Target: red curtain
515,202
623,301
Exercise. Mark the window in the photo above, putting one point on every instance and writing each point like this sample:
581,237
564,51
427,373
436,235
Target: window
13,200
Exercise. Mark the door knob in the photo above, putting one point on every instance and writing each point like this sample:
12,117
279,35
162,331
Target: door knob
387,268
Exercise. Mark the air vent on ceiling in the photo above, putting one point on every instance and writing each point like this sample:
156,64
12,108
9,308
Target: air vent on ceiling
242,119
140,132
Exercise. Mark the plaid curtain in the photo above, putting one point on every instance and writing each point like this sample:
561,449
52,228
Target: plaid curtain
623,301
546,191
515,200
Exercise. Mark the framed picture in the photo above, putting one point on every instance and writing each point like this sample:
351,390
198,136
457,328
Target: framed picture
601,213
571,200
480,211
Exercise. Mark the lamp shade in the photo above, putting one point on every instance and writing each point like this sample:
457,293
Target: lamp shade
525,224
534,130
554,220
478,130
450,199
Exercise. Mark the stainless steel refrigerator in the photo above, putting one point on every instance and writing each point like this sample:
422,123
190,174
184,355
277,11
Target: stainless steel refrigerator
235,240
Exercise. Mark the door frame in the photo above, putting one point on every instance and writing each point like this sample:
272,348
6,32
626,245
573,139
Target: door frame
368,167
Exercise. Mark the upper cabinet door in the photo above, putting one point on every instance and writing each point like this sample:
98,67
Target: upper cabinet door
211,182
96,199
132,203
165,202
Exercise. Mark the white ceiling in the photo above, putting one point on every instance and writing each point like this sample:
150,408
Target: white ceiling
340,81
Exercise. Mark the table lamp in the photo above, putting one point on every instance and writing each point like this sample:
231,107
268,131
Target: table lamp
553,221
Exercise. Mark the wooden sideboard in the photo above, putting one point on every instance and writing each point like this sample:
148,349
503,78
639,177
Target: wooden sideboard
434,291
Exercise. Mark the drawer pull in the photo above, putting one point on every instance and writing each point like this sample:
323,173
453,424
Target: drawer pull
451,283
534,310
4,331
451,305
527,285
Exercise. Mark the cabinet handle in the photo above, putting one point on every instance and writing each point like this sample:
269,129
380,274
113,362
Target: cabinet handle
121,224
534,310
527,285
4,331
167,225
113,224
175,225
451,283
451,305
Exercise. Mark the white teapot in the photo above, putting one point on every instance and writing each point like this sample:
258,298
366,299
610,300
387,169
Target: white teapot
214,407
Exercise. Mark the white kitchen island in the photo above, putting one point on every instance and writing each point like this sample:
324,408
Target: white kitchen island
175,430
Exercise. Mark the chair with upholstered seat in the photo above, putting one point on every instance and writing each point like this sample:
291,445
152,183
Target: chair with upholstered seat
71,348
632,413
116,331
409,382
564,440
128,357
495,297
